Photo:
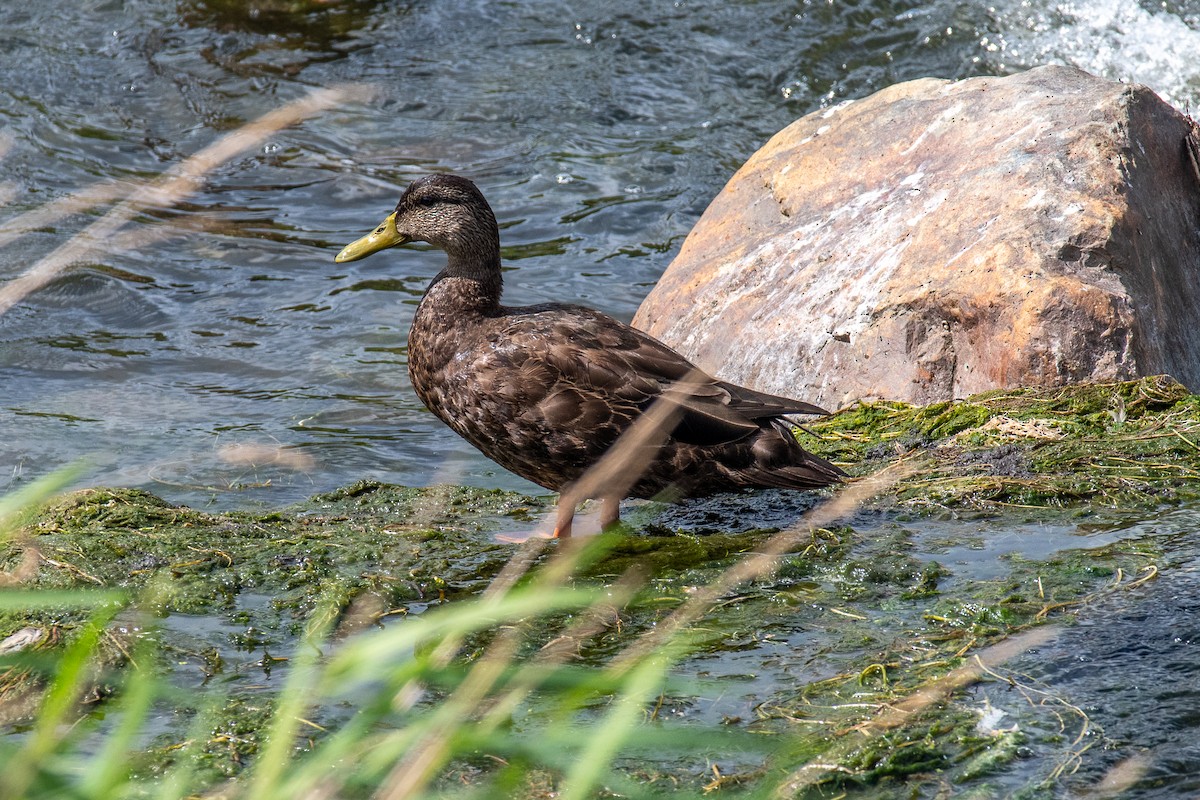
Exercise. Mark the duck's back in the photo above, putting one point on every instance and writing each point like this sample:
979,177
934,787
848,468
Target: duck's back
545,390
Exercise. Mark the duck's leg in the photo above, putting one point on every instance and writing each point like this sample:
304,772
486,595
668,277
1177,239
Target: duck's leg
564,518
610,512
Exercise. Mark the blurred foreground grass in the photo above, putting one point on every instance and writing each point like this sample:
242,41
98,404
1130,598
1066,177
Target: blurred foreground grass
378,642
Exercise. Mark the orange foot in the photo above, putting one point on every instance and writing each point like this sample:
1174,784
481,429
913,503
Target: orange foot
564,521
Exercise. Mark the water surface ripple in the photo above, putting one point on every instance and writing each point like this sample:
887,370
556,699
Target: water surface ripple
599,131
235,364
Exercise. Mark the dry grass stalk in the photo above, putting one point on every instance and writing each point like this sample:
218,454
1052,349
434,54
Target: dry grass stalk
470,701
899,714
420,765
253,455
1122,776
613,475
178,182
763,562
48,213
27,569
981,664
620,467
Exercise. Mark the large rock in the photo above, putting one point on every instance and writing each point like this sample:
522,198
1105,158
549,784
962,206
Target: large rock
939,239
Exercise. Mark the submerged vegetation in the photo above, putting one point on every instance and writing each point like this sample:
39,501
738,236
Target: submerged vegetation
379,640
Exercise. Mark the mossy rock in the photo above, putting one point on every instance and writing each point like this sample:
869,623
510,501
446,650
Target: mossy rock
1130,444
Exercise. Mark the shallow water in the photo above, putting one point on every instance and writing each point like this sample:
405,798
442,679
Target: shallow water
1122,677
599,132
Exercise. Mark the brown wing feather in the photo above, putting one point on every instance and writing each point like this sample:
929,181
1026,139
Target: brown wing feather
588,364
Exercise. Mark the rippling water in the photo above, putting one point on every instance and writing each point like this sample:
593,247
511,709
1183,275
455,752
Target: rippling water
235,364
599,131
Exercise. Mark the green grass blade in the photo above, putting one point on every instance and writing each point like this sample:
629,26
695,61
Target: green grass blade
640,684
110,768
296,695
60,698
180,780
33,599
142,687
14,506
357,661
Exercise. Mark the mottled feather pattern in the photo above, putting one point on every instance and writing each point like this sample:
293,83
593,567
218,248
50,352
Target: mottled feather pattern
546,390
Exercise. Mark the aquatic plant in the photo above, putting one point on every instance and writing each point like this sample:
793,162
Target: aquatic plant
403,654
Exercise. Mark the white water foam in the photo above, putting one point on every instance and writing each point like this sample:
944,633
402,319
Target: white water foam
1154,44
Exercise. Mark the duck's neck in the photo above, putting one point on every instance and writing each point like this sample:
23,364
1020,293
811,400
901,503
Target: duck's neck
480,266
449,318
475,257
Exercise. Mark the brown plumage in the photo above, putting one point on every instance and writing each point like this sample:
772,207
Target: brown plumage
545,390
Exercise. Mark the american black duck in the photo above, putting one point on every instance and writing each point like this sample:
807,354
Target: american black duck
545,390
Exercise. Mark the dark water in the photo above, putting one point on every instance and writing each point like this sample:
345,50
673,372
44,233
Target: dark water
1113,697
599,131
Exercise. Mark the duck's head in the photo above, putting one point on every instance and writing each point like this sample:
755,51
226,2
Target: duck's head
447,211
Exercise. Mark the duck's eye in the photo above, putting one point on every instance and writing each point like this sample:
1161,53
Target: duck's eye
427,200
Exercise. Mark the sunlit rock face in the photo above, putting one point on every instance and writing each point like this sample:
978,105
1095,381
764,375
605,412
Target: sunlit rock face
940,238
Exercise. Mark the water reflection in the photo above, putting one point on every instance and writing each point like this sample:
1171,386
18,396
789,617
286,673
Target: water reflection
282,37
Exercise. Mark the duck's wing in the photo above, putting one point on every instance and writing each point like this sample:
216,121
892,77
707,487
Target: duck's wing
588,369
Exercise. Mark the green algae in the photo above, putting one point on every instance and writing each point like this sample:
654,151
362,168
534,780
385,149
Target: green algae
879,602
864,613
1131,444
943,743
370,535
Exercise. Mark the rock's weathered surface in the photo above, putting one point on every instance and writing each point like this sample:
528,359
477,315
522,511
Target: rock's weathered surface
940,238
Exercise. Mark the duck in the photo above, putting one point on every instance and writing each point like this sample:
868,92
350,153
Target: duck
547,390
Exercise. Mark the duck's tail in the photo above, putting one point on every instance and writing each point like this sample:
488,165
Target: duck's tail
781,463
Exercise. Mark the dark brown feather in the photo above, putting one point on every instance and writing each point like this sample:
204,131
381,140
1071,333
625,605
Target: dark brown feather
546,390
547,404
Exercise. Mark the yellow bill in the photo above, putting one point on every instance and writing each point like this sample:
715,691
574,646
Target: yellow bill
381,238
